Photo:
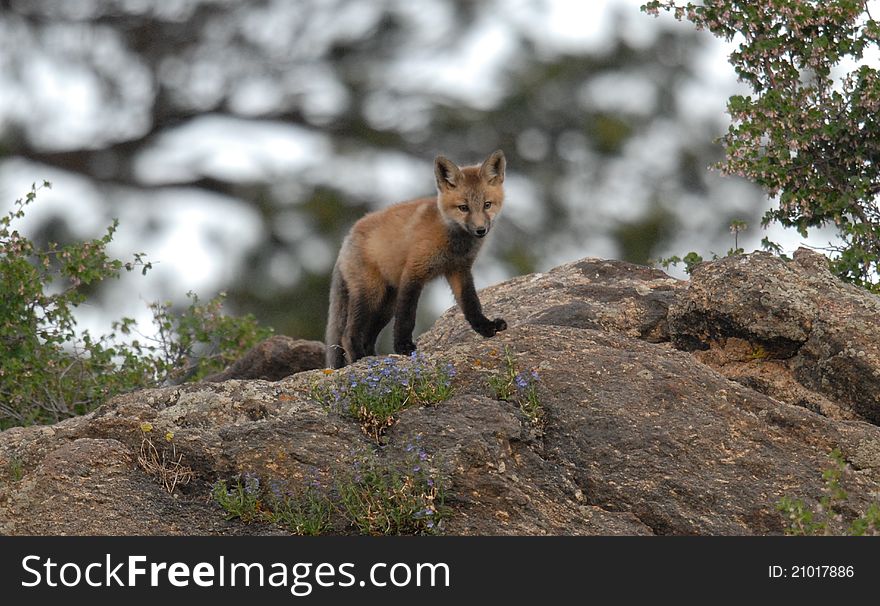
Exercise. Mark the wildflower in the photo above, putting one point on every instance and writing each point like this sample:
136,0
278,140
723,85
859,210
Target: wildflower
146,427
169,436
327,371
521,381
423,455
251,483
275,487
535,376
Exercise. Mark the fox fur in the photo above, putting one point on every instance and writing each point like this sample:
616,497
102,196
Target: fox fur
389,255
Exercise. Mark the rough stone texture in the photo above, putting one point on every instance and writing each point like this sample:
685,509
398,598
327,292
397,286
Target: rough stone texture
632,300
277,357
823,333
640,437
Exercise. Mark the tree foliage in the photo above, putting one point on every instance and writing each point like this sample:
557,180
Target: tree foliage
810,131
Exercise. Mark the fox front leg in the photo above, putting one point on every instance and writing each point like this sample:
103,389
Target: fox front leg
462,284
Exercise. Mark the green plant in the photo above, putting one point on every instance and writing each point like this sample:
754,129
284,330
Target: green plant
306,513
241,500
510,385
826,518
371,497
692,259
16,469
52,370
387,387
808,132
737,226
389,500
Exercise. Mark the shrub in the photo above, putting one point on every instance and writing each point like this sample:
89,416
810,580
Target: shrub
52,370
390,500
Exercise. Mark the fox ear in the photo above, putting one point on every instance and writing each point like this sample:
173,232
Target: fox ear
492,170
447,174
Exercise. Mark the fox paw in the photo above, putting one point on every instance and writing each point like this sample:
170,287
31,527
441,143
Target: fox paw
404,347
490,327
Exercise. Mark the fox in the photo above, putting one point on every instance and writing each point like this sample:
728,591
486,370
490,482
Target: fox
389,255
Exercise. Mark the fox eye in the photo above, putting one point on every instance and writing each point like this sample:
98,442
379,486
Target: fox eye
487,205
463,208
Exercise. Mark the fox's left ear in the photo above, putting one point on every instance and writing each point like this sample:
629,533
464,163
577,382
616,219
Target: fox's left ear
492,170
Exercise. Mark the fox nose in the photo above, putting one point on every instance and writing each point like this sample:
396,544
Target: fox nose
481,231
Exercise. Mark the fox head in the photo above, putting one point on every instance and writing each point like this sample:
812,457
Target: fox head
470,197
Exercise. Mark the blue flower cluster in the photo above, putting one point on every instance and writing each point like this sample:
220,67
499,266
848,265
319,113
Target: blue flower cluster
251,483
389,385
524,380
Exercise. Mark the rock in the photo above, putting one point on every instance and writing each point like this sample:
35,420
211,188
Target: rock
590,294
273,359
820,335
669,407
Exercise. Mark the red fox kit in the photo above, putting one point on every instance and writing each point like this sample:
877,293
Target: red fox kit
389,255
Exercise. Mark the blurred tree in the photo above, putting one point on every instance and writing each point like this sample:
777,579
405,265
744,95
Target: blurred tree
600,144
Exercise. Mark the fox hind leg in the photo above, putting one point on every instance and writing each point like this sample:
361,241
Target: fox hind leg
379,318
337,319
357,325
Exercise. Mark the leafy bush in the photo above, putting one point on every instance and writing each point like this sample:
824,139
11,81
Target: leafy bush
808,133
52,370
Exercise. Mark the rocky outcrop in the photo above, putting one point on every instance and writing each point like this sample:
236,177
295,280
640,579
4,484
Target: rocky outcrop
813,330
273,359
669,407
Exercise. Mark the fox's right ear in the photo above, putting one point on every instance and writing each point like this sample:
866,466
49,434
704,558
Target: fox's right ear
447,174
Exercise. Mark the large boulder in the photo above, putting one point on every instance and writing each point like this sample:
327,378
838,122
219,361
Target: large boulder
793,317
669,407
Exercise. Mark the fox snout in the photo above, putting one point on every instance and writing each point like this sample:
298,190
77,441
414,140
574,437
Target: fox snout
481,231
